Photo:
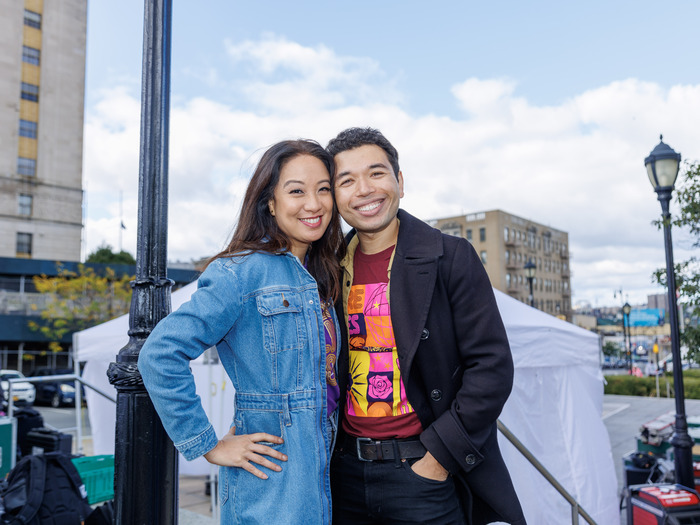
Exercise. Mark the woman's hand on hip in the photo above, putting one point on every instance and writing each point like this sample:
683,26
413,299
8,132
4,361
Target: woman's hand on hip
245,450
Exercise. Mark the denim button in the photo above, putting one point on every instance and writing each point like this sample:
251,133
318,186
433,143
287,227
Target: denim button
424,334
436,395
470,459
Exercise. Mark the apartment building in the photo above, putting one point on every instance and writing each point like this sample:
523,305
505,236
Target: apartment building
42,88
505,243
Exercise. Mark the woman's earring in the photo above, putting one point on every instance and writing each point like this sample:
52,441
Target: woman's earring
272,212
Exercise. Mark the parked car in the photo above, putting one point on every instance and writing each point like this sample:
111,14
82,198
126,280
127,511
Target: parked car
23,392
54,393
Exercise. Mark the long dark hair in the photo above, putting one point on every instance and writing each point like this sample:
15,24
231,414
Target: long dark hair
257,229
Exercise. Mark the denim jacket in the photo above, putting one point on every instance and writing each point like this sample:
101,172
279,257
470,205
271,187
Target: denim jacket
263,313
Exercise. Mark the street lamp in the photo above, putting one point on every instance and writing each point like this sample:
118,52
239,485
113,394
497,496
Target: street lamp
626,309
145,459
662,167
530,268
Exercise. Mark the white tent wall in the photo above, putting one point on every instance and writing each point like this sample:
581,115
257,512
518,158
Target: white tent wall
555,408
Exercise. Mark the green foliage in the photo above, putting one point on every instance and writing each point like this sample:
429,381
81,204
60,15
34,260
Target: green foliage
611,349
105,255
687,196
79,301
626,385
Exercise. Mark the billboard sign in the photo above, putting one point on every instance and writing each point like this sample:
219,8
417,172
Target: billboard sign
647,317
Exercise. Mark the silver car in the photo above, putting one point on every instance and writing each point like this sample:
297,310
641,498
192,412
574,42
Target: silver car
22,391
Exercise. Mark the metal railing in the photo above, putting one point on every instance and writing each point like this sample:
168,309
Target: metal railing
576,509
77,380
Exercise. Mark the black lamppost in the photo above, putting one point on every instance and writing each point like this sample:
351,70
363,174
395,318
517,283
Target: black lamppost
145,467
530,268
626,309
662,167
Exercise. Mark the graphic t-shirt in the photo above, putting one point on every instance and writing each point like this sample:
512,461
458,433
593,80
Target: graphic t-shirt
377,406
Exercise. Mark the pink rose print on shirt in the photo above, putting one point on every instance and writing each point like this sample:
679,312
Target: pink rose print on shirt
380,387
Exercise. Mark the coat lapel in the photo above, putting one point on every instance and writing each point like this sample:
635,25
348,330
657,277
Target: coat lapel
413,276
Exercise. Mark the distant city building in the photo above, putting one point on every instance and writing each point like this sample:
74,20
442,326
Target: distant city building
42,88
505,243
659,301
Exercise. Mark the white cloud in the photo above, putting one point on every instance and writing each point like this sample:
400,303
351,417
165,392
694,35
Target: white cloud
577,166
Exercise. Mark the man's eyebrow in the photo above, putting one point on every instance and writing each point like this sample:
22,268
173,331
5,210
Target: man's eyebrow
370,167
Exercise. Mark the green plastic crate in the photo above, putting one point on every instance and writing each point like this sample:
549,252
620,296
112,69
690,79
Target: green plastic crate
97,473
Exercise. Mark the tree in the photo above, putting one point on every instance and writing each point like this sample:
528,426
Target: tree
688,272
611,349
105,254
79,300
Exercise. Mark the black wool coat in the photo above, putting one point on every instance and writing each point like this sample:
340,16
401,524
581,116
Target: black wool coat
455,362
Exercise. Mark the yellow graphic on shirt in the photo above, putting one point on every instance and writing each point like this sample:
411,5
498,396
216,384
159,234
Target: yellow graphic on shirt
375,387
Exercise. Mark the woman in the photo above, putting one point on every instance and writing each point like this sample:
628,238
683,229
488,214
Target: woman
264,302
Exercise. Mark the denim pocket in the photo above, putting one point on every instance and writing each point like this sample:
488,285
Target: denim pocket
282,320
268,421
224,473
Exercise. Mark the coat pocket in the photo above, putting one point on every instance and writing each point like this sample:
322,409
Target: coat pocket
282,320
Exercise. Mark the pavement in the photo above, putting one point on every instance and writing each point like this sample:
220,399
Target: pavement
624,415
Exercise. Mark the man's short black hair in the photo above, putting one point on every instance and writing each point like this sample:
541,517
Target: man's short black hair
352,138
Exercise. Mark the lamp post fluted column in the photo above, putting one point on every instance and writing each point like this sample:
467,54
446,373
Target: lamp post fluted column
145,484
662,168
681,441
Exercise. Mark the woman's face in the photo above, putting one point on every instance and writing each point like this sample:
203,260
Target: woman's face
302,204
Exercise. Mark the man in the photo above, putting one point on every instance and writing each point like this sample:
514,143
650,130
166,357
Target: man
425,366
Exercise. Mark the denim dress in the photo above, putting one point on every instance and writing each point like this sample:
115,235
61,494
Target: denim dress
263,314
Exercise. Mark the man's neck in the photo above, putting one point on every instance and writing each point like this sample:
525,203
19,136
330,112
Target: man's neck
375,242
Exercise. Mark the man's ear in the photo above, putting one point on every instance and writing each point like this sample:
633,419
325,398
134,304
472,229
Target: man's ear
400,177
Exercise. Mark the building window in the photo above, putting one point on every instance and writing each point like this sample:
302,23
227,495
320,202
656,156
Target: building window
30,55
24,245
508,280
505,234
32,19
469,235
30,92
27,128
26,166
482,234
24,205
483,256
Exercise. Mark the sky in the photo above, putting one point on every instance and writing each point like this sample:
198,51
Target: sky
543,109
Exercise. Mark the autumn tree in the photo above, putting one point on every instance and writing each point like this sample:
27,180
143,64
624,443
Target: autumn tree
688,271
79,300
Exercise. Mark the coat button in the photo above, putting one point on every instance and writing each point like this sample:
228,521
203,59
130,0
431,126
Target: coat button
436,395
470,459
424,334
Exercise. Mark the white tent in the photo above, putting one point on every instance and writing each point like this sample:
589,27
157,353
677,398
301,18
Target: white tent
555,408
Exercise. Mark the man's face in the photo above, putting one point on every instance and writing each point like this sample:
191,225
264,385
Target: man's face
367,192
